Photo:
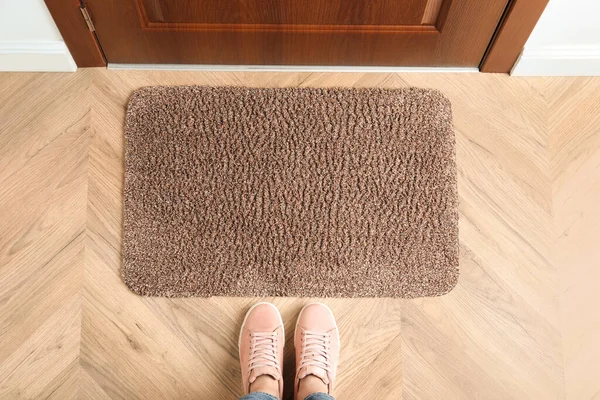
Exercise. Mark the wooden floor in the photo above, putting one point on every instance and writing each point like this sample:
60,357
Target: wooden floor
523,322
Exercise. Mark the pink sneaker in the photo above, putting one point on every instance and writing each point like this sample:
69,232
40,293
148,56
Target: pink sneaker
317,343
261,345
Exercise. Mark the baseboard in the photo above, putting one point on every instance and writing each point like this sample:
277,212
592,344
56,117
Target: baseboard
559,61
284,68
52,56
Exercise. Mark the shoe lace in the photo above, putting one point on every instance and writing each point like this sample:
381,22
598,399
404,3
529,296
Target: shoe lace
315,350
263,350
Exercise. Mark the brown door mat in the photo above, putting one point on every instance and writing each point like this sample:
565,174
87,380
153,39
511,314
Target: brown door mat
234,191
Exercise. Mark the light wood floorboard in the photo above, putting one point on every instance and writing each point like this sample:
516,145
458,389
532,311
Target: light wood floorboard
521,324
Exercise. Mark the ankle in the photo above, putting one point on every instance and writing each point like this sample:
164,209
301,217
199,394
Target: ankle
311,384
265,384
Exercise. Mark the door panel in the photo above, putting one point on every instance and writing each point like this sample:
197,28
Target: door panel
297,32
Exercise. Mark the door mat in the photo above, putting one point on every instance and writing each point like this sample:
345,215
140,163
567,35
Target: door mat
234,191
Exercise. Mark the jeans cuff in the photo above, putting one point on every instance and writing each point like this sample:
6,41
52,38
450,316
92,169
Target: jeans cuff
319,396
259,396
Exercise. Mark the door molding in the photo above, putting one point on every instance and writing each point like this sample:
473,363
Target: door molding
432,23
514,29
81,42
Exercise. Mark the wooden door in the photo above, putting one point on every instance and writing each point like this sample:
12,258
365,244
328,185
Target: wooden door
296,32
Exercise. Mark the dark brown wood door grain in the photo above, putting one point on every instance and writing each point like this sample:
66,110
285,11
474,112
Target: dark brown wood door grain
447,33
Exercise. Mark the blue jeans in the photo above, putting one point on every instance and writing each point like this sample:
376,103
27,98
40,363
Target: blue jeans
266,396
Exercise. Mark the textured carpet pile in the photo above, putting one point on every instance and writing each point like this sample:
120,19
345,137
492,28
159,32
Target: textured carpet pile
290,192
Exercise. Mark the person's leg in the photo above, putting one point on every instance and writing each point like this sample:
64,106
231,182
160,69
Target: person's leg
261,345
317,345
311,385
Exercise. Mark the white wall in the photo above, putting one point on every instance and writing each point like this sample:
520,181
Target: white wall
29,39
565,41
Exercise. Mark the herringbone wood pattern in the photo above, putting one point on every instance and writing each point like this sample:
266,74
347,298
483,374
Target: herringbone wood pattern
574,120
522,322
